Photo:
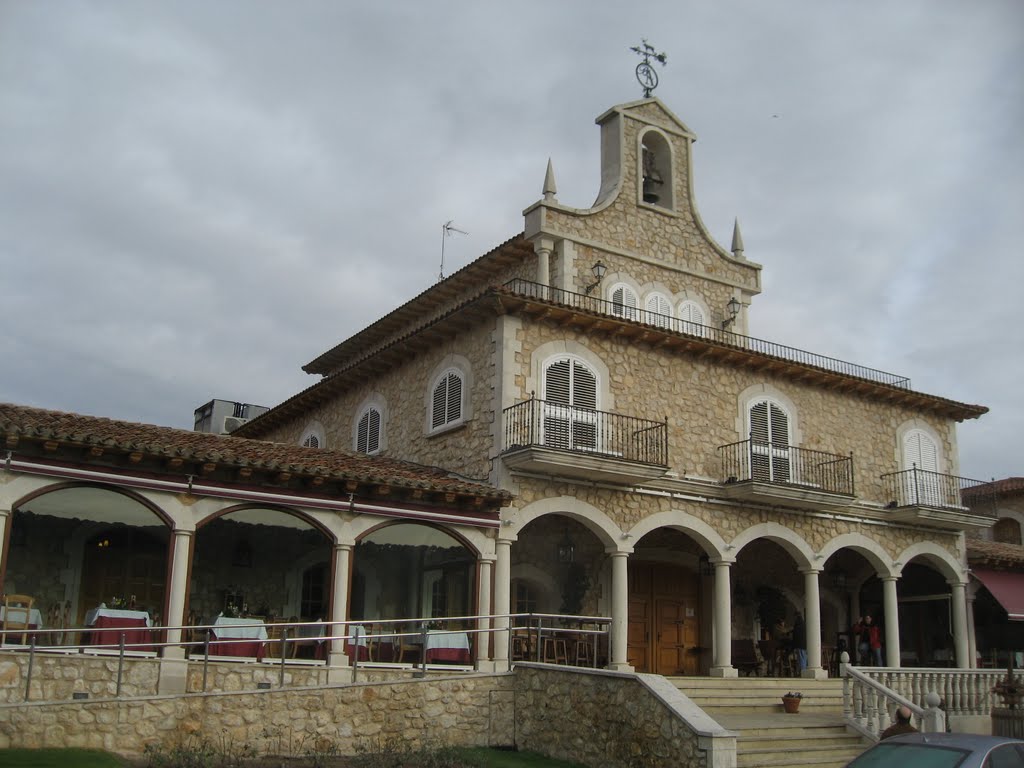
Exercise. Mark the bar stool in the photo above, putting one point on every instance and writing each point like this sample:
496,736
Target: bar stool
554,650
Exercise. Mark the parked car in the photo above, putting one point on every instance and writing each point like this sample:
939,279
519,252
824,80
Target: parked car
943,750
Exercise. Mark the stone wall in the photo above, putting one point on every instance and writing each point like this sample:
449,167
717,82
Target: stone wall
589,716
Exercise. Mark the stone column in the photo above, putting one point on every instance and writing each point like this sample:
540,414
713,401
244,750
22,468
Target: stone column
722,663
620,612
891,603
483,636
502,595
972,637
5,520
179,584
173,672
339,604
812,625
543,248
959,608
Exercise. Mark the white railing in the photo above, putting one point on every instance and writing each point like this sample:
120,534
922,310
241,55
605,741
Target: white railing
869,705
961,691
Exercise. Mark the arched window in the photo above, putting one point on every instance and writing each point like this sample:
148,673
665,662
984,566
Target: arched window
769,442
659,310
922,483
691,318
446,401
1007,531
368,433
570,395
311,442
313,436
624,302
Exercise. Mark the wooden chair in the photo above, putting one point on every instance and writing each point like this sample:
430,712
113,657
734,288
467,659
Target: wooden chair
746,657
275,633
18,614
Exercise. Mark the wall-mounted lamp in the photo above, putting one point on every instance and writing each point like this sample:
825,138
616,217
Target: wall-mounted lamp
598,269
839,578
566,549
733,310
706,568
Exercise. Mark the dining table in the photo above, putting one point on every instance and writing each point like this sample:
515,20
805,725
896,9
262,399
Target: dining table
447,646
108,625
235,636
35,618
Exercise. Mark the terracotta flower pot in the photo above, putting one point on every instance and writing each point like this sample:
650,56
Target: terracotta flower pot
791,704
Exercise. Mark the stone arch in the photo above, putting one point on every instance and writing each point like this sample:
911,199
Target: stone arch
870,549
130,493
937,557
473,539
709,539
304,516
789,540
593,519
656,156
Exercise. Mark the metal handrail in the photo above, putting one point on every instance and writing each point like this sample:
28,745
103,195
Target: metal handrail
918,487
537,422
351,630
782,464
707,332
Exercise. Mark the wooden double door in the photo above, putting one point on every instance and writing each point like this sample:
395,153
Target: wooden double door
664,619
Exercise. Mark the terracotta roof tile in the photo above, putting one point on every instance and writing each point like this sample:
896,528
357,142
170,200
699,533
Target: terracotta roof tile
994,553
19,423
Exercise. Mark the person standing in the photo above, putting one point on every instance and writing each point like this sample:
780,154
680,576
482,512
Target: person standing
800,643
869,641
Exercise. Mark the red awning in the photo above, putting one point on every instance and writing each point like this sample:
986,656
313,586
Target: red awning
1006,587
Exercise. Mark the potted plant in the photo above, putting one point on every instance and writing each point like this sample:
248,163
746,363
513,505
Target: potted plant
791,702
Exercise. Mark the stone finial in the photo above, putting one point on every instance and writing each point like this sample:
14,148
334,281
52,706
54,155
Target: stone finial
550,190
737,240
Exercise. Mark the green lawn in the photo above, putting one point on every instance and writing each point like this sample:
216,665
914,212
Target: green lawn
88,758
58,758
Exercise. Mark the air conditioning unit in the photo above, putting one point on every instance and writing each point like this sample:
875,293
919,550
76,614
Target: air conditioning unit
231,423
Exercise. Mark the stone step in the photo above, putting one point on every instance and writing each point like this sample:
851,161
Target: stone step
809,739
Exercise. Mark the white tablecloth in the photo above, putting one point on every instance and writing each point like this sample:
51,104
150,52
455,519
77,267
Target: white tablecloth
439,638
249,629
17,614
115,613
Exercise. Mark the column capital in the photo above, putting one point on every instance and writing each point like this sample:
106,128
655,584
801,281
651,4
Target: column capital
340,547
619,552
5,512
723,561
487,558
182,531
812,569
888,577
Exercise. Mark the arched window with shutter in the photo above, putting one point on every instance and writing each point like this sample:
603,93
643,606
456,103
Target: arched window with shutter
368,432
691,318
769,442
659,310
922,483
624,301
570,405
446,400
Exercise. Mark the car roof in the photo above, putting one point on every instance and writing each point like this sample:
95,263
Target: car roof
973,741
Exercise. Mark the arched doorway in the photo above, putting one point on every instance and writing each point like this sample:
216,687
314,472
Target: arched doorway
665,633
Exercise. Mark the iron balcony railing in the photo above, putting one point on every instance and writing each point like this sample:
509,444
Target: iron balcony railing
921,488
709,332
781,464
536,422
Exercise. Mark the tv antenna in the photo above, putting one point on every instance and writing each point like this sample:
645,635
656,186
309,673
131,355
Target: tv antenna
446,232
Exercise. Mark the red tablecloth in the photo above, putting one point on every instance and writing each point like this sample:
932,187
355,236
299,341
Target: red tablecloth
108,630
227,647
455,655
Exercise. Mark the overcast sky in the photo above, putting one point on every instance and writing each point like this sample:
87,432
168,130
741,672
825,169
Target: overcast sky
197,198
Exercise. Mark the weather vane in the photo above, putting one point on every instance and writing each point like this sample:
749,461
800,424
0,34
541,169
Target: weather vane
645,73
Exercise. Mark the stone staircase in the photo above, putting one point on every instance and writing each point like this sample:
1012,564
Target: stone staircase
752,707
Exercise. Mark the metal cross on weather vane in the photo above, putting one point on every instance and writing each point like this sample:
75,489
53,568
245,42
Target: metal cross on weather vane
645,73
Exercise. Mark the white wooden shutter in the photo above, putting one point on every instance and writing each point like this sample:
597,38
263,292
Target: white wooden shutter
691,318
584,387
661,310
368,432
312,442
454,409
624,302
919,450
769,443
924,486
570,394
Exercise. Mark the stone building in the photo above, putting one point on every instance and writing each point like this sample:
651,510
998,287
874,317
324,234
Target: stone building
579,422
669,470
